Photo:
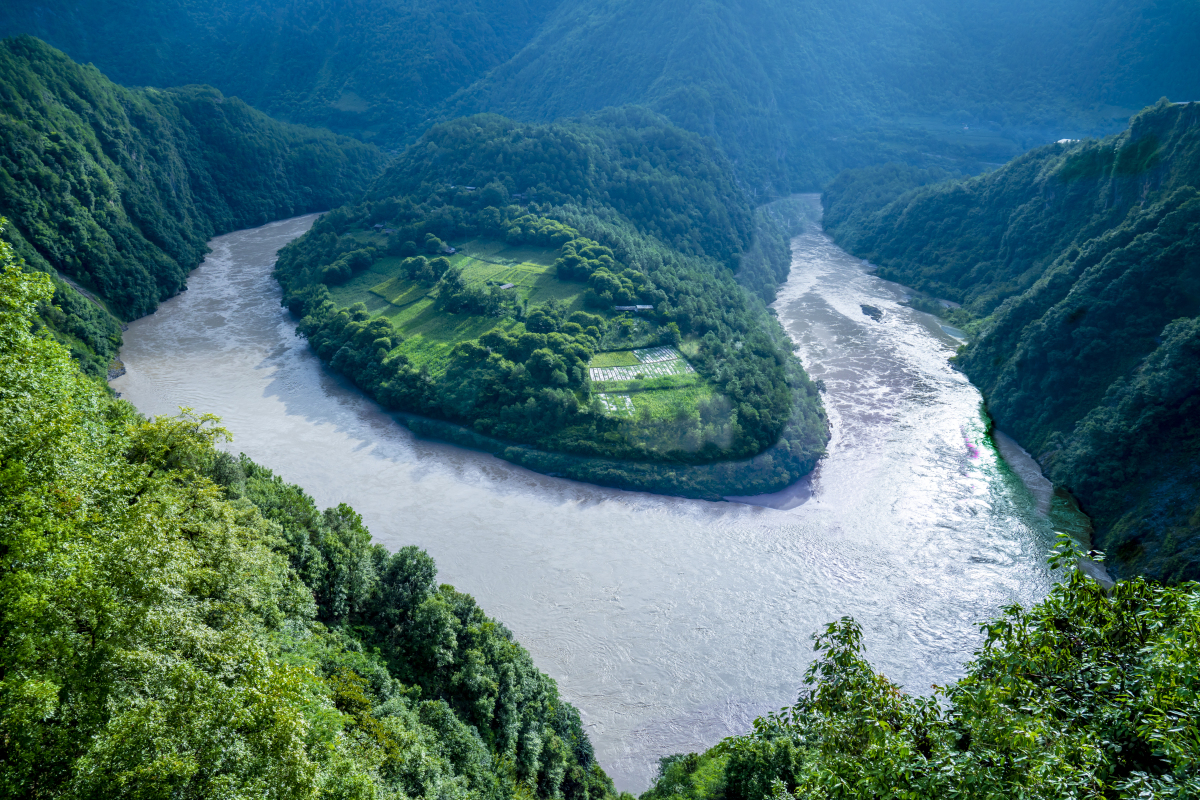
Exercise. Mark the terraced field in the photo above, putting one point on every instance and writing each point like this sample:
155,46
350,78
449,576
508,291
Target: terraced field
655,382
431,333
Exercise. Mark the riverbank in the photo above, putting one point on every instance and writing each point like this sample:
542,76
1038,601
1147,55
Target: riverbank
770,471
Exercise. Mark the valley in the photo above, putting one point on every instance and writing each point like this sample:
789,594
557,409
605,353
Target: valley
582,399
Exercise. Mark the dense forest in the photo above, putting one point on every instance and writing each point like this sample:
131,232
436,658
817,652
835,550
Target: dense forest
375,69
792,92
120,190
177,622
641,212
1078,270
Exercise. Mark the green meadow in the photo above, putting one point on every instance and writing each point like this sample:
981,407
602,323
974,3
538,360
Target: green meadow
429,332
616,358
670,403
664,400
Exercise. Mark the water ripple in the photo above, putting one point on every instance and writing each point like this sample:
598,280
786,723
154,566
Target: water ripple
670,623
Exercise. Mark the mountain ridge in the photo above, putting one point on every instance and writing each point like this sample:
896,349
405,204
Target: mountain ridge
1076,265
121,189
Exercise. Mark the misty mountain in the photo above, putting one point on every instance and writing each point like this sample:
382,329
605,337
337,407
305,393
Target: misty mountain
794,92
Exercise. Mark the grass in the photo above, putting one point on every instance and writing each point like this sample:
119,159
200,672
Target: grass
658,403
670,403
617,358
529,269
430,333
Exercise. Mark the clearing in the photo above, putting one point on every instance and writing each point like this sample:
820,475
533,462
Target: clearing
656,382
430,332
652,380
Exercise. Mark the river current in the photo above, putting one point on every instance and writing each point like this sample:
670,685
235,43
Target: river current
669,623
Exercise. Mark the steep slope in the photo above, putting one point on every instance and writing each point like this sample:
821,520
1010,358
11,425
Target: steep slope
796,91
120,189
793,91
180,623
1080,266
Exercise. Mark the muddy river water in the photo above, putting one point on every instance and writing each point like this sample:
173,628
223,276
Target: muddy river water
670,623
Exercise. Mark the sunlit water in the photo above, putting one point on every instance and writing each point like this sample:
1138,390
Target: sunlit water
670,623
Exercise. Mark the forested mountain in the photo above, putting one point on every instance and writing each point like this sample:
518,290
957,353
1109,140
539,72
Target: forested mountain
635,211
180,623
374,68
796,91
1078,268
120,189
793,92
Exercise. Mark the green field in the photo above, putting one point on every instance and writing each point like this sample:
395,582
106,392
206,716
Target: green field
617,358
663,403
670,403
428,331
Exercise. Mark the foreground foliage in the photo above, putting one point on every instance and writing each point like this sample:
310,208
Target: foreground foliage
175,622
1089,694
1078,269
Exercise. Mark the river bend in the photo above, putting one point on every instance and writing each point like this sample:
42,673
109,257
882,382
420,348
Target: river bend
670,623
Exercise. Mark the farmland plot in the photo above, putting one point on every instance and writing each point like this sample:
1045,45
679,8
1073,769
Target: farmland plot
655,362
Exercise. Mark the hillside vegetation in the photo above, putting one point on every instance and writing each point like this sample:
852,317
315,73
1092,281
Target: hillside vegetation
177,622
792,92
627,211
1087,695
375,68
1078,269
121,189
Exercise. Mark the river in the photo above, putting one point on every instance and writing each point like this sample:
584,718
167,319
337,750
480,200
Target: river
670,623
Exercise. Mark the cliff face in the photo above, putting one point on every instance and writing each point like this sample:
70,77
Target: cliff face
1079,264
